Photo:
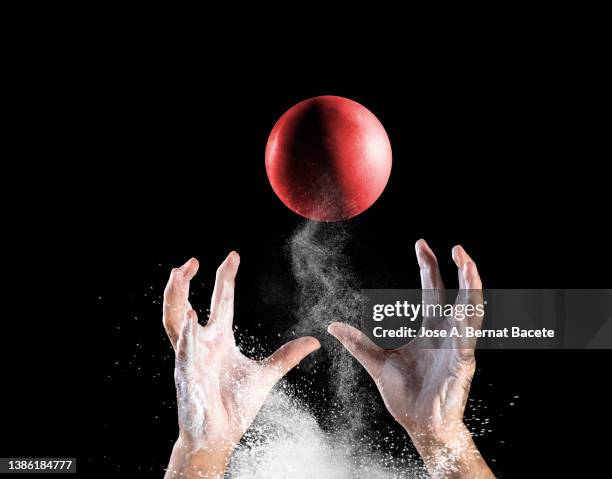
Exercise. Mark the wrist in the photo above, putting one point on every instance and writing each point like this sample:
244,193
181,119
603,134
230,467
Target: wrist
449,451
438,434
207,459
222,445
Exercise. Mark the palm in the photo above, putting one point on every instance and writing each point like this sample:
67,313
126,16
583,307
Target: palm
424,385
219,390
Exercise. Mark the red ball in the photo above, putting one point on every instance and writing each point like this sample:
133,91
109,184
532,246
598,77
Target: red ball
328,158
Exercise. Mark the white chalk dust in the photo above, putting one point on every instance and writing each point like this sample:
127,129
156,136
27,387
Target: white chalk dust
286,441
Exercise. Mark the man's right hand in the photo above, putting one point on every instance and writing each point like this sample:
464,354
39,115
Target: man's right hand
426,390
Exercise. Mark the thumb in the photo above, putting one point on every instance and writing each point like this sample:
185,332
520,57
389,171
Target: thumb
371,356
289,355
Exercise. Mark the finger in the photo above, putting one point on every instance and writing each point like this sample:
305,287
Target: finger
470,285
289,355
222,303
186,341
428,263
360,346
431,279
470,293
471,277
468,278
474,287
176,298
460,257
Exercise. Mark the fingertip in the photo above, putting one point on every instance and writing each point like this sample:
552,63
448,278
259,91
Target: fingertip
312,343
190,268
418,249
340,331
234,257
229,267
457,254
231,263
190,262
425,256
333,328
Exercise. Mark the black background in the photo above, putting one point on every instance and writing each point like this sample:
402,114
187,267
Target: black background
139,155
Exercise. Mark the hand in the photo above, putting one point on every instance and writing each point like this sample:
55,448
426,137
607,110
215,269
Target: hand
219,390
426,390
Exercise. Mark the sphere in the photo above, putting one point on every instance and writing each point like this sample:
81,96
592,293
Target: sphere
328,158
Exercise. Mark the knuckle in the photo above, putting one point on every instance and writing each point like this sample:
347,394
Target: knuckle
176,273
